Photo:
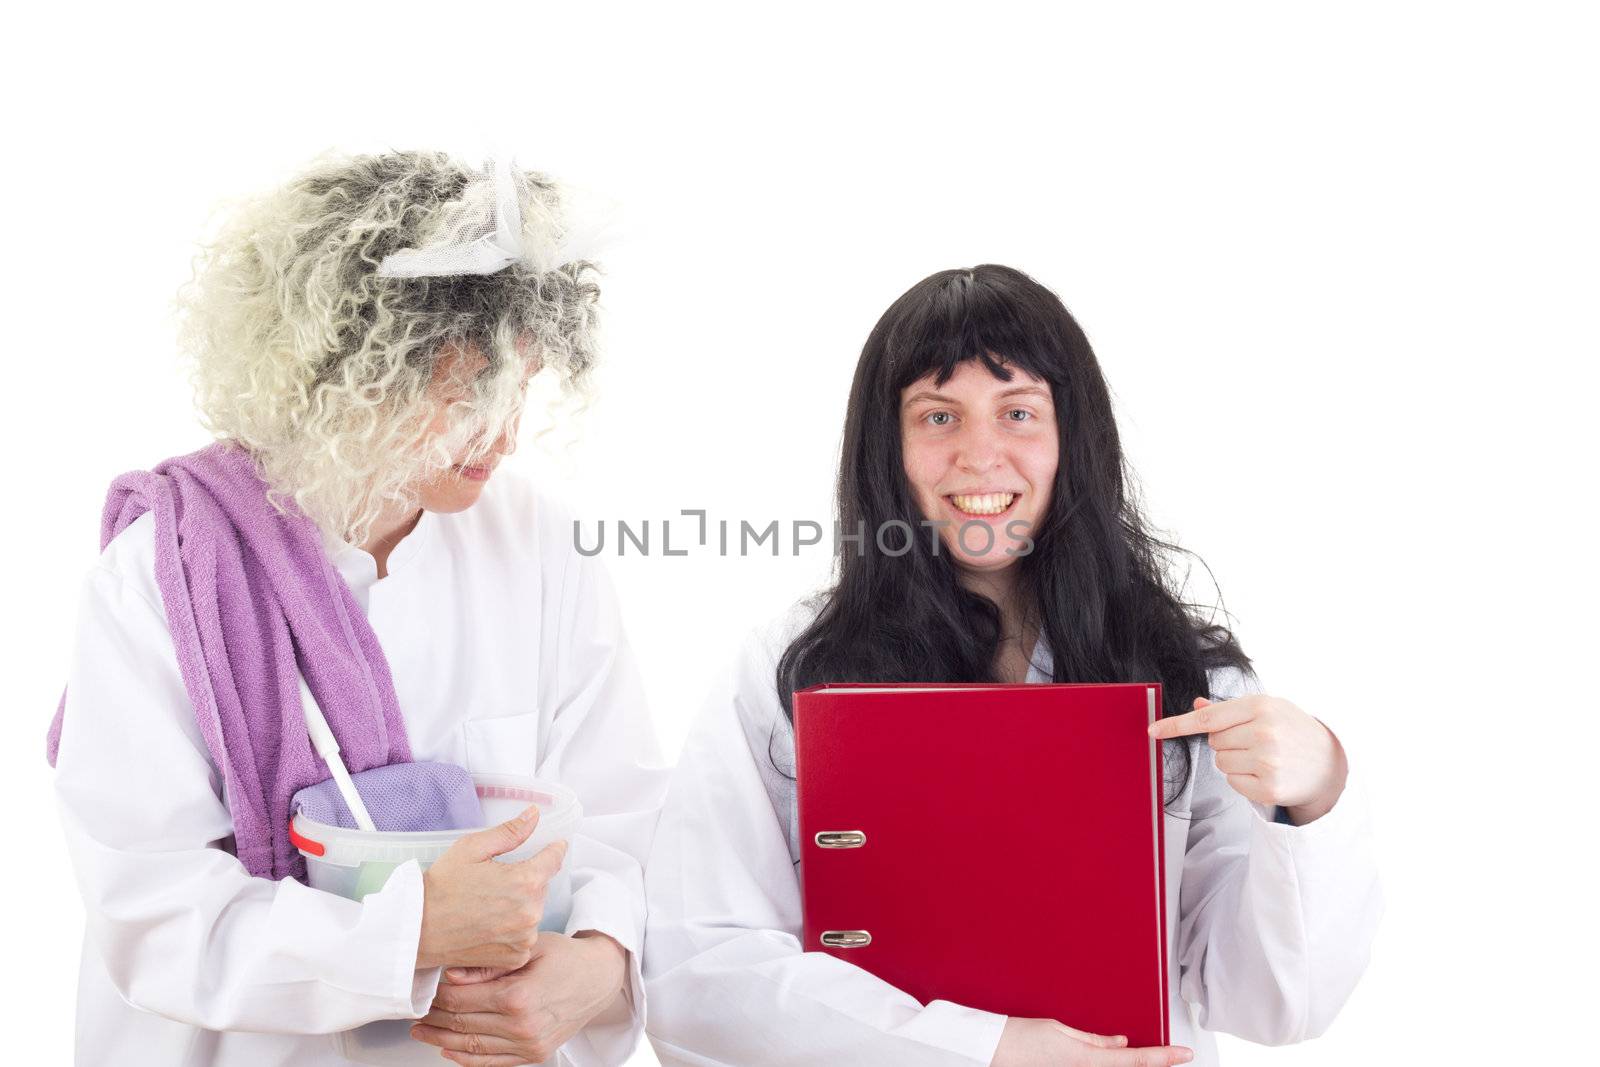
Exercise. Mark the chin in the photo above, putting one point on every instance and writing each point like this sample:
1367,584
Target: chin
997,558
987,564
448,501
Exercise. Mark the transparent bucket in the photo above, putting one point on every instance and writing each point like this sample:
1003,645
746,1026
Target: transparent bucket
353,863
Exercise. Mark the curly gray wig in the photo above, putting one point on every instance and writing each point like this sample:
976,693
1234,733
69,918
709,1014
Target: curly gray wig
325,370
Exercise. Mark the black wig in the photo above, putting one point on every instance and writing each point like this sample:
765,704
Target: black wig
1094,580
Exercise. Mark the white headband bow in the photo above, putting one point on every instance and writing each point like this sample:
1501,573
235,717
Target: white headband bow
483,233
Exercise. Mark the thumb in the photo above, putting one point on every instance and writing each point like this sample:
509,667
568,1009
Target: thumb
479,975
473,975
1199,702
497,840
1098,1040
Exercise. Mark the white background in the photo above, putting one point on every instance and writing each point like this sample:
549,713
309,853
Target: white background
1339,267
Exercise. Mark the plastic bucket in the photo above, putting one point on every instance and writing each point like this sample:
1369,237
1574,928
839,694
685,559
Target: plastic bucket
353,863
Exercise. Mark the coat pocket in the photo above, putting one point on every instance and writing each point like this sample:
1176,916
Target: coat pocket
507,744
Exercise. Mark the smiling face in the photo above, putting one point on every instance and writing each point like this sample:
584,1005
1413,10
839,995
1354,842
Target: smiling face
981,455
460,487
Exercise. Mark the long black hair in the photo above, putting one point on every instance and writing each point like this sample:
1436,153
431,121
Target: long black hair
1095,576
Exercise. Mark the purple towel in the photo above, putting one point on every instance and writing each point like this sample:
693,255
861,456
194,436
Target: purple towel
253,602
404,797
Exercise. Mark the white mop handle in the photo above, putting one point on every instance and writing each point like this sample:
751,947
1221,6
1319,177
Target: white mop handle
327,747
347,789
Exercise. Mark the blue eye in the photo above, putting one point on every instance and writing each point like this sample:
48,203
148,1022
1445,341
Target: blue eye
1019,411
936,417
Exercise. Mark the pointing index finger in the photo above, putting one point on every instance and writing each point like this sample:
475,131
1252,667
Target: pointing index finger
1207,720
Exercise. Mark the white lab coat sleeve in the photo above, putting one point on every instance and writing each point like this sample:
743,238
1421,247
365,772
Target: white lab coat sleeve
1276,922
602,744
727,979
183,930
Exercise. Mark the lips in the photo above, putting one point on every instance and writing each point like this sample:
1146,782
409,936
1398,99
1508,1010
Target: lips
983,504
475,474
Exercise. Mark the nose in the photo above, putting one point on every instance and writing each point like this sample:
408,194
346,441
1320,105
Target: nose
979,449
506,443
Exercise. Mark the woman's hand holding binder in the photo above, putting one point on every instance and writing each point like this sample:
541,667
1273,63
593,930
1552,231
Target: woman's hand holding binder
1047,1043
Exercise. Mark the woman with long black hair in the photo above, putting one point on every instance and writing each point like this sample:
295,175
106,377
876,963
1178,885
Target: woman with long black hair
980,434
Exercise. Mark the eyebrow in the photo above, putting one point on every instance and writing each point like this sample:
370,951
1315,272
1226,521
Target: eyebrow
1018,390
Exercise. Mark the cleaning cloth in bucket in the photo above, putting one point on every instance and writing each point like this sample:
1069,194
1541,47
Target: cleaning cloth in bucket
402,797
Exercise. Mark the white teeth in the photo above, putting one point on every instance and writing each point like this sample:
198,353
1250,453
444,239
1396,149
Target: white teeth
983,503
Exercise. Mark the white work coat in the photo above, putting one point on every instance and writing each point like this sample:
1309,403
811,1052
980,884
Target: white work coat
1269,925
508,655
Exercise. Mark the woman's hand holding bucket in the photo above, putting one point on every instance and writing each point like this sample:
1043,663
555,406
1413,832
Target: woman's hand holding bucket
477,912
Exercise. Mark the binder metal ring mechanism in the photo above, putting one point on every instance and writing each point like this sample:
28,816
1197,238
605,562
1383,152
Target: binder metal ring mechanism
846,938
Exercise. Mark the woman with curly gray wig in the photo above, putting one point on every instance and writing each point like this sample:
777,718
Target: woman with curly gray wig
362,342
318,347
